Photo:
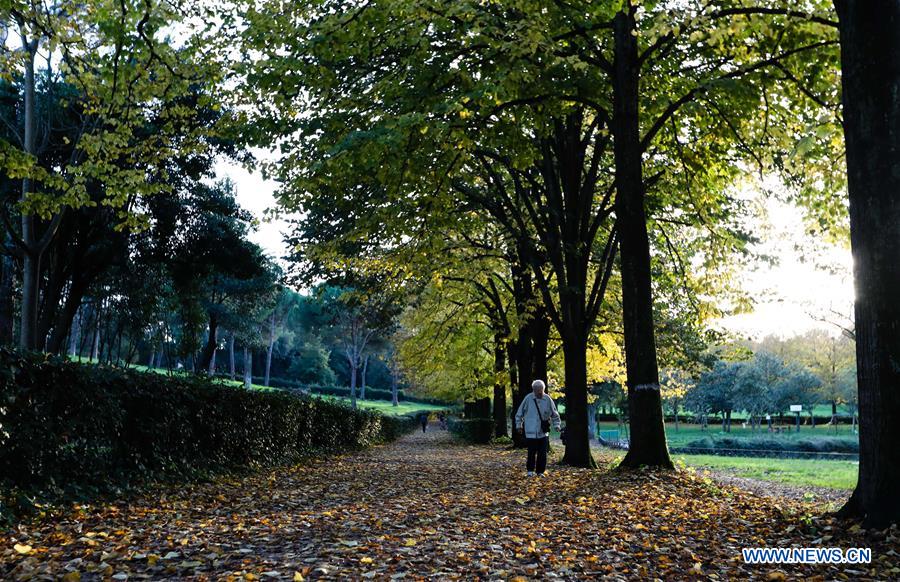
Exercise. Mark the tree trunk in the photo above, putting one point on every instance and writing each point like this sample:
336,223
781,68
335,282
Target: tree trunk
362,386
270,349
7,299
517,396
208,356
647,445
394,391
540,340
95,344
231,373
499,386
248,367
76,332
578,445
352,370
870,53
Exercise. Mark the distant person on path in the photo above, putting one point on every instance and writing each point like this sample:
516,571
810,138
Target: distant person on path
534,417
423,418
443,420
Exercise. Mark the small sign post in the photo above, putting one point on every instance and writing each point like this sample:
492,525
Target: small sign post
797,408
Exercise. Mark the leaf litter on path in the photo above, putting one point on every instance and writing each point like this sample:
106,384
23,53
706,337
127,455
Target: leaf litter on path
428,508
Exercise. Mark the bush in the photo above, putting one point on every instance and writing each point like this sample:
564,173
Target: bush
763,444
475,430
70,427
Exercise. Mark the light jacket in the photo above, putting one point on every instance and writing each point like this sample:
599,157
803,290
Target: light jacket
528,414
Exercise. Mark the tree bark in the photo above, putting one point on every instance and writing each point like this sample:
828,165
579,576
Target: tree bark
270,349
394,391
499,400
362,386
7,299
870,62
208,356
353,366
248,367
231,373
578,445
647,445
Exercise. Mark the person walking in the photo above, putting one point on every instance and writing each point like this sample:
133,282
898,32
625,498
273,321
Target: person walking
534,417
423,418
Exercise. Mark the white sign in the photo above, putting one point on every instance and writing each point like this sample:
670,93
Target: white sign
796,408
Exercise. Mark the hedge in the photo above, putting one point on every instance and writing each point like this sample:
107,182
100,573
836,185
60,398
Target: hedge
474,430
762,444
68,427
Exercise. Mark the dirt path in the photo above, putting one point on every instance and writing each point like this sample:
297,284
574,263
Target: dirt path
425,507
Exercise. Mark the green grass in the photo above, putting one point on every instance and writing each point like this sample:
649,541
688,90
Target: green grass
691,432
800,472
385,407
382,406
797,472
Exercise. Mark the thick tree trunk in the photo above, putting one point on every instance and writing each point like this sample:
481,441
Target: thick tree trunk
870,61
499,401
248,367
540,341
647,445
578,445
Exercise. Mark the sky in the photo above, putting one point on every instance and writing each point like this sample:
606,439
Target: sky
809,281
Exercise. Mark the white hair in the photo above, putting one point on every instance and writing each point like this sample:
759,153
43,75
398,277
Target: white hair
538,384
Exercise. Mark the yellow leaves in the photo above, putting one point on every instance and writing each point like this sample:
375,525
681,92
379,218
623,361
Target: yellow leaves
152,559
776,575
298,577
366,560
409,542
522,500
72,577
22,548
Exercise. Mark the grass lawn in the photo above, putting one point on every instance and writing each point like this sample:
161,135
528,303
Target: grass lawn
382,406
385,407
691,432
797,472
801,472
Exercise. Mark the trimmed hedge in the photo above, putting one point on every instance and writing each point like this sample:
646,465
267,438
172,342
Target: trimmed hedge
473,430
68,427
775,445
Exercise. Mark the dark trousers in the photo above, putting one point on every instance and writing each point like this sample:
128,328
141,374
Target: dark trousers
424,425
537,451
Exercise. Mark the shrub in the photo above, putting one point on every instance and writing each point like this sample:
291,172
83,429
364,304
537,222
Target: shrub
765,444
68,427
474,430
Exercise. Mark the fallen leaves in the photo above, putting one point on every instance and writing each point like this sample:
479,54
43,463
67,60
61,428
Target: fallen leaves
426,507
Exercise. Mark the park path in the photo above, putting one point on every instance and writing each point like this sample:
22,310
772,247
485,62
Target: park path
428,508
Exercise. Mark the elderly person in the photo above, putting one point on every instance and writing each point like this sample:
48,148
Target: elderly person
534,417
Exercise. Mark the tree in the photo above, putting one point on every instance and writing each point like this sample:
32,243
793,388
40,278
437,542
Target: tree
122,82
870,79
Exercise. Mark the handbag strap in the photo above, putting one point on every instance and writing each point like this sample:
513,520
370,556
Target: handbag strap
538,408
